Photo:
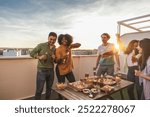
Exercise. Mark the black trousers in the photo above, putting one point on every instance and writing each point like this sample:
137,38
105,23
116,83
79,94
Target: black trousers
131,77
61,78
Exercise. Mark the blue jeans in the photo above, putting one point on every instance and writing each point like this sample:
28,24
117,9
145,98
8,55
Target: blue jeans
44,75
108,69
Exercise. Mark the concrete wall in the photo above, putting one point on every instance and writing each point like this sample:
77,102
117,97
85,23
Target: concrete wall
18,75
17,78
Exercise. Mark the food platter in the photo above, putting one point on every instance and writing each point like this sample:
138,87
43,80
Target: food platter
61,86
79,86
107,88
109,81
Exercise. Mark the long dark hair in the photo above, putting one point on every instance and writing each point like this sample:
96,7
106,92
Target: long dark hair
145,45
130,46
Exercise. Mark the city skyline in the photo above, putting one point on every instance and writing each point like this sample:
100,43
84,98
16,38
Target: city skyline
25,23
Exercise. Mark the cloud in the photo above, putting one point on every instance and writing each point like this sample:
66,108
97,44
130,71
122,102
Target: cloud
31,20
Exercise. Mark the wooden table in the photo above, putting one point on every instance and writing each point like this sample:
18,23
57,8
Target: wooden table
70,94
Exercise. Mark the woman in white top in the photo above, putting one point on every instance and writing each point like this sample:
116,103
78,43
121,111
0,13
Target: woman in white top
144,74
132,63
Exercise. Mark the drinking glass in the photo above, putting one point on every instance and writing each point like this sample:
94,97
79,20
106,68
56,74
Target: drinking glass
94,72
86,75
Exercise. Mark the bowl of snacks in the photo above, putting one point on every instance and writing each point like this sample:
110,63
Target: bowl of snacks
61,86
107,88
109,81
86,91
94,90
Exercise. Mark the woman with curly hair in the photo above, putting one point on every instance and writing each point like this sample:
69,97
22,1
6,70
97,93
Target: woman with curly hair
64,58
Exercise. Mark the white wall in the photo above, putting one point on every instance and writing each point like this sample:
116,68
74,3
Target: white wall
126,38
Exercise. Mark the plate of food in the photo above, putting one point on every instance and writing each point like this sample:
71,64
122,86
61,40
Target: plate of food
86,91
94,90
77,86
61,86
109,81
107,88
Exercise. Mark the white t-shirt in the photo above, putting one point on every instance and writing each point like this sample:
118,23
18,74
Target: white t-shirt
103,49
129,60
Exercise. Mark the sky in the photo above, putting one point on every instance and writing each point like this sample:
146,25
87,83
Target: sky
26,23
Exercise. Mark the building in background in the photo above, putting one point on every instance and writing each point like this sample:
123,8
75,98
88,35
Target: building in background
26,51
14,51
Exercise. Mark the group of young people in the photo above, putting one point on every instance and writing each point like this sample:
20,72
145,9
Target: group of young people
138,62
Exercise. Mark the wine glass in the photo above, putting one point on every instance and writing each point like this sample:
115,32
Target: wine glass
94,72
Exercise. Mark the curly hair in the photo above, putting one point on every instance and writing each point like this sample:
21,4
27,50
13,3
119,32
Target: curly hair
68,37
60,37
